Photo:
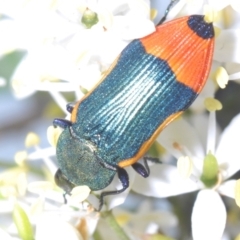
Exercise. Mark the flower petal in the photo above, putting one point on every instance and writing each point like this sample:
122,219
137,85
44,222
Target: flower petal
228,151
218,5
5,235
207,91
227,46
131,26
190,7
53,227
209,216
227,188
180,133
163,181
236,5
233,69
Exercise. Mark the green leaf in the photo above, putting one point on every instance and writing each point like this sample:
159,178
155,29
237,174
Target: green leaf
22,223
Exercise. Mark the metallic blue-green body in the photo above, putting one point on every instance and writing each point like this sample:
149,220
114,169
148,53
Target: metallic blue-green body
119,116
149,85
130,104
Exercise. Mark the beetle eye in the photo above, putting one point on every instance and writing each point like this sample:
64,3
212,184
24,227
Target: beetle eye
62,181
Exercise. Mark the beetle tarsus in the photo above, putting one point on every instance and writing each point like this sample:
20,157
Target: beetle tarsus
70,106
144,171
64,197
124,179
152,159
63,123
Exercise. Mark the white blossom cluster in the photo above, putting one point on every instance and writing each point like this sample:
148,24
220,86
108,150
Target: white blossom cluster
69,45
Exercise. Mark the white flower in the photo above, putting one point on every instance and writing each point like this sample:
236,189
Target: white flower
46,201
181,139
60,48
53,227
146,220
227,51
63,54
219,5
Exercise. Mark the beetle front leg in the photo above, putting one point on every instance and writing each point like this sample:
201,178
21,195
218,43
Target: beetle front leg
63,123
144,171
124,179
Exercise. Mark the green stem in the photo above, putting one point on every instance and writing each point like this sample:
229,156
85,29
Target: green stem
111,221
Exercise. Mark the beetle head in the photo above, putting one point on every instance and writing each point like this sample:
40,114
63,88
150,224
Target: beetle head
79,164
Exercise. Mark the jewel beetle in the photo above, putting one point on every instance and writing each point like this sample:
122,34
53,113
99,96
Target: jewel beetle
151,82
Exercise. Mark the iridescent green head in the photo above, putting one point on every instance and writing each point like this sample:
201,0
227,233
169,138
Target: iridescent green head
79,164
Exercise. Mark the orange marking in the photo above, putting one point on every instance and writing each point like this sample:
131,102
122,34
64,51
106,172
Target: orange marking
146,145
188,55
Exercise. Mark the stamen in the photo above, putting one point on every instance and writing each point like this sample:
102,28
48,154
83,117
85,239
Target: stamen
211,138
182,149
237,192
32,139
209,14
221,77
177,146
219,181
20,157
212,105
53,135
153,13
184,166
217,31
79,194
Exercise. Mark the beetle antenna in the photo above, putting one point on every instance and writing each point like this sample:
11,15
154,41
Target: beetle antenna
171,4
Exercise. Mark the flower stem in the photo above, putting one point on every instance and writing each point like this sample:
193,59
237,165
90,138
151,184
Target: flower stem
111,221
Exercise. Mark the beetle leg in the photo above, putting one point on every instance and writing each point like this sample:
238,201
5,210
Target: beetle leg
140,169
64,198
151,159
144,171
63,123
70,106
124,179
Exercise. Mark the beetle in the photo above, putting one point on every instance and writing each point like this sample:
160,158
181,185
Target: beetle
151,82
